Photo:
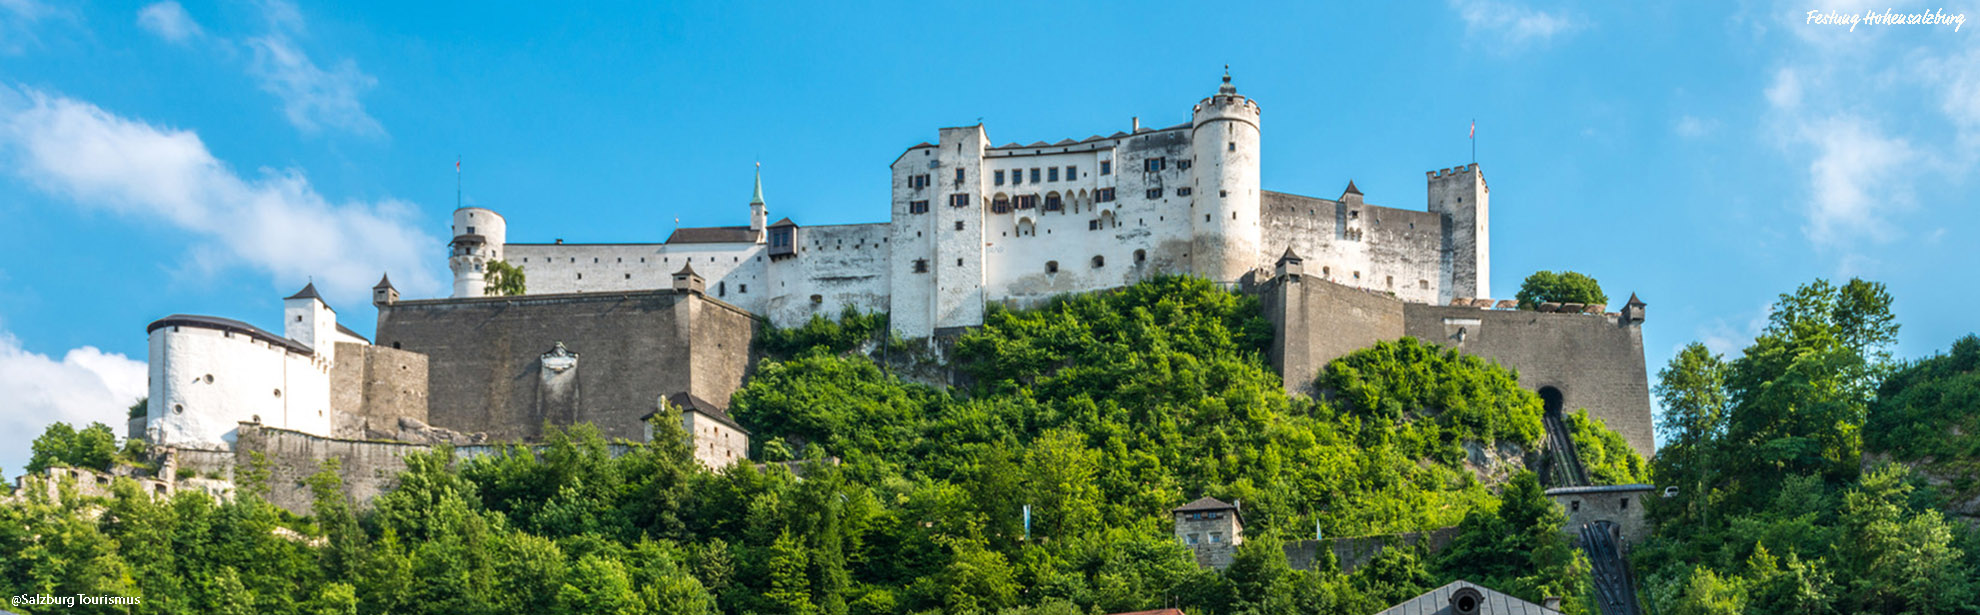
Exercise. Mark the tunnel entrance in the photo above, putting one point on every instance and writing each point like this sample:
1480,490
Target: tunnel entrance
1550,398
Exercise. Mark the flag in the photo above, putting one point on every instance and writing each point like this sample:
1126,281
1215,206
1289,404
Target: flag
1474,129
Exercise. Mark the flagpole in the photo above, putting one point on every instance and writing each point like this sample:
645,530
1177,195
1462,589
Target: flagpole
457,181
1474,141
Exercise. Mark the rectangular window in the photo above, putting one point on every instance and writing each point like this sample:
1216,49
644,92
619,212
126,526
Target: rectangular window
1154,193
1092,225
958,200
959,176
1052,174
1182,165
1216,537
742,288
1106,167
1233,146
921,265
917,207
1104,195
959,225
1183,191
1028,201
1000,178
1072,173
1053,203
1017,176
1154,164
1034,175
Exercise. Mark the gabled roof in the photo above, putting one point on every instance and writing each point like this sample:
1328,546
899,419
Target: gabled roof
1204,503
686,270
687,401
1066,142
1438,602
349,332
784,222
713,234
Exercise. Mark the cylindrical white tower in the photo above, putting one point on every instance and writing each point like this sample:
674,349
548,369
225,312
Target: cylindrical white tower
1226,230
478,238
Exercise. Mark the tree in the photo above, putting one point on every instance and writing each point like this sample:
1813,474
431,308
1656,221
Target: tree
1559,287
503,279
95,447
1693,391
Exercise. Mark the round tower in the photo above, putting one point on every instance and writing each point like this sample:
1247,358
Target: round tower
478,238
1225,226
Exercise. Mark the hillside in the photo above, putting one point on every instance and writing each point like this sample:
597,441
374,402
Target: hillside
1100,411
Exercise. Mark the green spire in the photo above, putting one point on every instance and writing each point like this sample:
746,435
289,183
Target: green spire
758,198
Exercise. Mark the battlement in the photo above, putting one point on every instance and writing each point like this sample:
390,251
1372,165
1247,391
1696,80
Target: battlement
1450,173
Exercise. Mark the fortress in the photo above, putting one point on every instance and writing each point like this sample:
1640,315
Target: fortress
612,333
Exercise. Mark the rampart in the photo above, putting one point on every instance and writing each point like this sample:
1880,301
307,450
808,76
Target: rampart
509,365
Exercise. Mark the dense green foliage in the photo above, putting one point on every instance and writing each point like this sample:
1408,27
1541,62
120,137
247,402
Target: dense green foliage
1927,414
95,447
1101,412
1776,512
1604,454
1559,287
821,334
504,280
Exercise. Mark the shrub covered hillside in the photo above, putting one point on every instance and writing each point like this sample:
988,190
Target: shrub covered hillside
1100,412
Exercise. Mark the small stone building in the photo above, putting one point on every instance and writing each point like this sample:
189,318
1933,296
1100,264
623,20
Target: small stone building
1619,504
719,441
1212,529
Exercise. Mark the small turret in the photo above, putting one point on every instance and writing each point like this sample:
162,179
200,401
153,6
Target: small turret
1632,312
384,294
687,281
759,212
307,319
1289,264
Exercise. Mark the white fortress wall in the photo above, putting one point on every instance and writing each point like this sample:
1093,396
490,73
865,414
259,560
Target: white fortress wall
840,264
735,272
206,380
1365,246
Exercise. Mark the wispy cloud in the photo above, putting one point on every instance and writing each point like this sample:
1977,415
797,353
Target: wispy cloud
18,21
169,21
313,98
274,221
1513,25
1693,127
1858,180
85,385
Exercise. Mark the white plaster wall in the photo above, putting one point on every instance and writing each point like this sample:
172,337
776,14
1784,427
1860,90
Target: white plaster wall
735,272
469,269
1340,239
1460,192
189,409
1227,227
843,264
911,295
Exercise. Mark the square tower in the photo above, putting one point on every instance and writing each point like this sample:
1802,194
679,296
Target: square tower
1211,529
1460,194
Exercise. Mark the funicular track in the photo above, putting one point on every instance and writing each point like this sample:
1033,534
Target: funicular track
1608,556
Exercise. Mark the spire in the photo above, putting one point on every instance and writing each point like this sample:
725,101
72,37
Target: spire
757,199
1351,189
384,282
1227,89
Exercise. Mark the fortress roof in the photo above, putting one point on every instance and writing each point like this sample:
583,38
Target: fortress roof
384,282
1438,602
784,222
1351,189
1204,503
308,292
228,324
689,401
349,332
713,234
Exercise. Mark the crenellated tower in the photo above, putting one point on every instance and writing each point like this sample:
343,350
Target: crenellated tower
1460,194
478,238
1225,226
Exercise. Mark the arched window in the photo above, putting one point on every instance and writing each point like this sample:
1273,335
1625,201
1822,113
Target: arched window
1053,202
1000,204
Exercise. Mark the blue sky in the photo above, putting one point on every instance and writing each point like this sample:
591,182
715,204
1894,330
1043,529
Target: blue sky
212,158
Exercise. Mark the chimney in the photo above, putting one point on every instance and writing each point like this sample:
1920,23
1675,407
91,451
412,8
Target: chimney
1137,125
1552,603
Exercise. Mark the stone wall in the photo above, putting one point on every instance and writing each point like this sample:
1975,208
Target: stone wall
486,371
1315,321
1594,361
1619,504
1357,245
375,386
1355,552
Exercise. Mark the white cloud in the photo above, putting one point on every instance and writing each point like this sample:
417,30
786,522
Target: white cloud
86,385
18,20
1692,127
1785,92
1859,177
274,221
169,21
312,97
1512,24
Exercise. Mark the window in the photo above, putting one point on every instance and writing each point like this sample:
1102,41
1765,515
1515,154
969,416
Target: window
958,200
1099,261
1002,205
1106,167
1182,165
917,207
1028,201
1000,178
1183,191
1051,266
959,262
918,181
1232,147
1153,165
1072,173
1017,176
1140,256
1574,505
1052,174
1625,503
470,230
921,265
1154,193
1103,195
1092,225
959,175
742,288
1053,202
1216,537
628,276
1423,284
1034,175
1390,280
959,225
1193,538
